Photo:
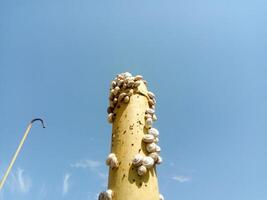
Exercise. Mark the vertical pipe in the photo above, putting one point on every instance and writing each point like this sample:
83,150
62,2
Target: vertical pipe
128,130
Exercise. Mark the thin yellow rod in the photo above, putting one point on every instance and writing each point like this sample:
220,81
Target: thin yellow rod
17,152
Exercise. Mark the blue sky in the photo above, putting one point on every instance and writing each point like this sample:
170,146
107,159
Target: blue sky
205,60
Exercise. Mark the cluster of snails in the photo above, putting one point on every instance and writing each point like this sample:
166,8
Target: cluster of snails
106,195
121,89
150,139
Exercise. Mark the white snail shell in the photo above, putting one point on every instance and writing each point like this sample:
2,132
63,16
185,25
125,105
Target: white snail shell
154,117
151,147
154,155
110,117
109,194
156,140
161,197
151,95
127,74
112,161
148,162
148,138
138,77
141,170
148,116
159,161
121,96
150,111
153,131
158,149
148,123
126,99
138,160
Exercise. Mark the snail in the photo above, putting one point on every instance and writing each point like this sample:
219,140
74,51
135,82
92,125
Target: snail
158,149
159,161
154,155
148,162
137,160
126,99
110,117
154,117
138,77
141,170
121,96
151,95
112,161
153,131
148,138
106,195
161,197
150,111
148,123
151,147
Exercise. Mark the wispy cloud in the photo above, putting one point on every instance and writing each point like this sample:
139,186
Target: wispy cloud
91,164
66,184
19,181
182,179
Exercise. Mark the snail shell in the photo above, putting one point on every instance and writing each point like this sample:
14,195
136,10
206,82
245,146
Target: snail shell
121,96
116,90
102,196
158,149
112,161
109,194
154,155
161,197
148,123
115,101
126,99
151,95
148,116
148,138
138,160
120,82
141,170
120,76
127,74
156,140
113,84
151,102
138,77
159,161
148,162
151,147
124,86
153,131
110,117
154,117
130,84
150,111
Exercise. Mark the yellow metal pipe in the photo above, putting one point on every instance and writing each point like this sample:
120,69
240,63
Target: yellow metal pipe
127,133
18,151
